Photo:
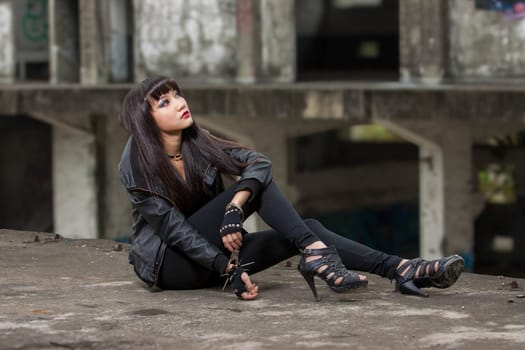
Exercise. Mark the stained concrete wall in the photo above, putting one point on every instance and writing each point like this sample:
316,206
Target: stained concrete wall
199,40
7,51
186,39
483,44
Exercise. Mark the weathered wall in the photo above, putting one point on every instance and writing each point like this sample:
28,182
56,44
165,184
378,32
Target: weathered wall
198,40
484,45
187,39
7,58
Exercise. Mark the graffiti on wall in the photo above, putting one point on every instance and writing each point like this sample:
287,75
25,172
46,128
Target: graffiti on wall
34,21
511,9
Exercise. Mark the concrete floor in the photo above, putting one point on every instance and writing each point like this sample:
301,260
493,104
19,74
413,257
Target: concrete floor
82,294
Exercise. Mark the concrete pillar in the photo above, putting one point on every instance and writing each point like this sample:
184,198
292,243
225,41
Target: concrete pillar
423,40
93,57
74,183
115,218
7,43
446,220
278,46
63,41
119,40
248,41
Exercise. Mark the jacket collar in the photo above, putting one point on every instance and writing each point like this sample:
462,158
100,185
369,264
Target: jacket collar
130,173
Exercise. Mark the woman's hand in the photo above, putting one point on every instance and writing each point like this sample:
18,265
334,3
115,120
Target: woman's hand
251,289
232,241
243,286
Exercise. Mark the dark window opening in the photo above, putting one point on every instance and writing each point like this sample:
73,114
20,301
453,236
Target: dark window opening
392,225
343,39
335,148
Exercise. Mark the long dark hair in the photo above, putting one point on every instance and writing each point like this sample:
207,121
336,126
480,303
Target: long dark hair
199,148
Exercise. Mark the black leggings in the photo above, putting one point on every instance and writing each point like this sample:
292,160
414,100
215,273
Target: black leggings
289,233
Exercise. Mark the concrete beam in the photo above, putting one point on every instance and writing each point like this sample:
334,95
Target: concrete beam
354,103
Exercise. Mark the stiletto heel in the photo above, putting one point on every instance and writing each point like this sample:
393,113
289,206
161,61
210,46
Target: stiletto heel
334,270
309,278
418,273
410,288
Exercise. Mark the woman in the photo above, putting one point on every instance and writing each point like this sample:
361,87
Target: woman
186,224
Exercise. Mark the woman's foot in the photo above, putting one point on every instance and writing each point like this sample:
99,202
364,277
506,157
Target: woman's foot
324,262
411,275
321,245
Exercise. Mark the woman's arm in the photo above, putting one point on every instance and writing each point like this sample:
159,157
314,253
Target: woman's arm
256,175
176,231
233,240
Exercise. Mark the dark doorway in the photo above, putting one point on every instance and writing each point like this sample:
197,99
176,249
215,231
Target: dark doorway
26,176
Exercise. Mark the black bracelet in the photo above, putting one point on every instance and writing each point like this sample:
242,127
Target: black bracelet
233,205
232,221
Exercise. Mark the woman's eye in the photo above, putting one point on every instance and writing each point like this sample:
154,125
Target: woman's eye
162,103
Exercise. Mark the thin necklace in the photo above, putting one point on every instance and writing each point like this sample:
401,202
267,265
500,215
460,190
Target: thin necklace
176,157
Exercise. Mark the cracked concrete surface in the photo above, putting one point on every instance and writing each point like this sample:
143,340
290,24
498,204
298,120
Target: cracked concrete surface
82,294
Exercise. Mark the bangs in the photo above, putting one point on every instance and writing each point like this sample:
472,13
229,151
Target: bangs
161,87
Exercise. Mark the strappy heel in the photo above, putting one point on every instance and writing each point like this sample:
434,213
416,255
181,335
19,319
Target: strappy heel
334,268
415,274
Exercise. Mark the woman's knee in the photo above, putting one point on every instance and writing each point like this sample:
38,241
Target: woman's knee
313,224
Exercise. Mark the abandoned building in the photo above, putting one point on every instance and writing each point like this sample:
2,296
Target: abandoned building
398,123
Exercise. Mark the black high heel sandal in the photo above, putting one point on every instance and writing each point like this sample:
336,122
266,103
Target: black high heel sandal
449,269
334,266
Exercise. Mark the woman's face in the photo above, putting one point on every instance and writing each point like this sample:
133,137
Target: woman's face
171,112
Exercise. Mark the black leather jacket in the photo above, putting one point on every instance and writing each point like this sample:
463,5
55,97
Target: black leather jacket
157,223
